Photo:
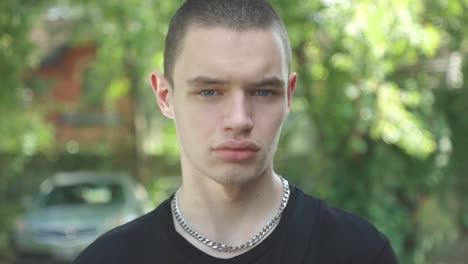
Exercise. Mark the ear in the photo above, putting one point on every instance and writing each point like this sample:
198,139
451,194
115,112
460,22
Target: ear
291,87
163,91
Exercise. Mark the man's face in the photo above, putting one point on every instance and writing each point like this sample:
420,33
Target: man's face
231,93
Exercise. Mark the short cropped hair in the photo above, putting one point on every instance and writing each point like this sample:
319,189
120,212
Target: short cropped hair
232,14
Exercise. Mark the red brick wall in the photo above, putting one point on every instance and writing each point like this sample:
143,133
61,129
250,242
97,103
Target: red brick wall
67,73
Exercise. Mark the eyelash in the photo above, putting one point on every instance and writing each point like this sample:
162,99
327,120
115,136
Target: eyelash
270,93
204,93
261,93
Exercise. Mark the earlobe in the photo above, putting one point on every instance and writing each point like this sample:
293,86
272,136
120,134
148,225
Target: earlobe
291,88
162,91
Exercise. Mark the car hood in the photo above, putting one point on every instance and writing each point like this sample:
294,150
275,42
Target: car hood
63,216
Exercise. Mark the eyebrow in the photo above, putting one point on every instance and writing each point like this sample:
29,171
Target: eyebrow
272,81
205,80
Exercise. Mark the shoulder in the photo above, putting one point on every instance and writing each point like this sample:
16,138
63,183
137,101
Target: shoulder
122,243
343,236
347,228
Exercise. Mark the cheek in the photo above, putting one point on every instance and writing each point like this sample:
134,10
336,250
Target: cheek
196,123
269,125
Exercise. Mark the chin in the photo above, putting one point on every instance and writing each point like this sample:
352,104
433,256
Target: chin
235,176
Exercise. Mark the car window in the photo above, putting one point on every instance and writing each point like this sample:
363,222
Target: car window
85,194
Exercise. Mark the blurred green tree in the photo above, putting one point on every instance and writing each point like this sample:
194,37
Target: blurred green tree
23,132
370,74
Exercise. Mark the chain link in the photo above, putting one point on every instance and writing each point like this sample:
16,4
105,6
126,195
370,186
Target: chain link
225,248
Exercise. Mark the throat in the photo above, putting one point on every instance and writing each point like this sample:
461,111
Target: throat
248,234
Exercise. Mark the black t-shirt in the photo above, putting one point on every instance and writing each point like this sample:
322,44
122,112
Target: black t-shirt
310,231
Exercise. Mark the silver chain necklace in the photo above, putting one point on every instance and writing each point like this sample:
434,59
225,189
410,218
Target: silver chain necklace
222,247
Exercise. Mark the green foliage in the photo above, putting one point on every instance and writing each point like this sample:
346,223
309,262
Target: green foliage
396,125
161,188
381,147
22,128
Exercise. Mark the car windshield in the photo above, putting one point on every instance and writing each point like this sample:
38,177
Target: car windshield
84,194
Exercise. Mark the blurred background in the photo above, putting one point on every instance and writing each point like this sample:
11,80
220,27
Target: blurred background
378,126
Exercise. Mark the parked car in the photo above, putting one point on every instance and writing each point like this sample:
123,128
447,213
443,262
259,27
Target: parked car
72,210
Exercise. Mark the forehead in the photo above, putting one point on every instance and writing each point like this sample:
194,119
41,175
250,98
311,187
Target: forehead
229,53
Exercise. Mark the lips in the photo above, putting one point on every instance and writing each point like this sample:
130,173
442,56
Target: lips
236,150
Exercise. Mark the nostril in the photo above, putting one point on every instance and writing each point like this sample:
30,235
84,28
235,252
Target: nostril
238,122
244,124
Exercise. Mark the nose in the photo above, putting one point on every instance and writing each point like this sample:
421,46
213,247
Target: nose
237,114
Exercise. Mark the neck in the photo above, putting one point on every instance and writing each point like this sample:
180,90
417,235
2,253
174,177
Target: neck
230,214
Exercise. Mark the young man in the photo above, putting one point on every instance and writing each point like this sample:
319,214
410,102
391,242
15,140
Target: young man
228,88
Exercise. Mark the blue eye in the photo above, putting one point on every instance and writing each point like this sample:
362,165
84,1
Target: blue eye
263,93
208,93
